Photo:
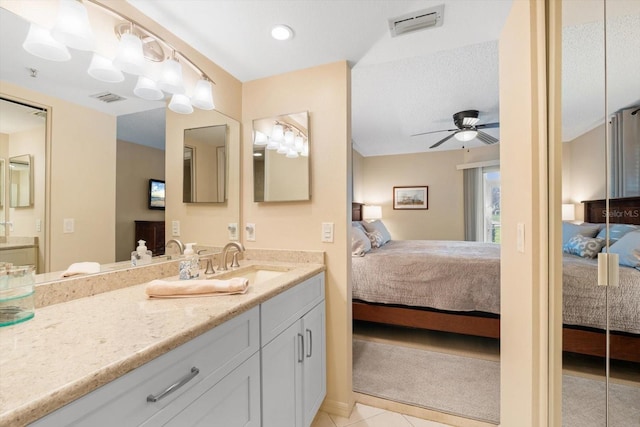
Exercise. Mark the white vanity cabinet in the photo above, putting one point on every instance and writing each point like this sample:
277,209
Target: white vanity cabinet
213,377
294,355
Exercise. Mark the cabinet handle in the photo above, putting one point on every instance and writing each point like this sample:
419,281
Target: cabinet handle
173,387
300,348
310,343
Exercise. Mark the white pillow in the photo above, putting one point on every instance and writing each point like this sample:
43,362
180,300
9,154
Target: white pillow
360,243
378,226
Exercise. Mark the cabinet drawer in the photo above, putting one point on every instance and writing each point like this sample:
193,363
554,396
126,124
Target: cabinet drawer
278,313
124,400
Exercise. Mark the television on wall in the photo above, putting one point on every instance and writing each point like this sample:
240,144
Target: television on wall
156,194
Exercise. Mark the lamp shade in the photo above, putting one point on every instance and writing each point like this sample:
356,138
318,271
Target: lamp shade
147,89
277,133
180,104
130,57
568,212
289,137
292,153
273,145
202,97
171,79
40,43
372,212
298,143
102,69
466,135
260,138
72,26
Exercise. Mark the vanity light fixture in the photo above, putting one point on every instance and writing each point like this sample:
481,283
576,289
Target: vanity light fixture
260,139
281,32
137,52
286,138
466,135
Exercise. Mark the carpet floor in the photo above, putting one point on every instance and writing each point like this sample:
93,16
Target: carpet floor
469,387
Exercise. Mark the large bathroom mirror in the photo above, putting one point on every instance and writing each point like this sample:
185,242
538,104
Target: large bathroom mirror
281,158
205,165
1,189
20,181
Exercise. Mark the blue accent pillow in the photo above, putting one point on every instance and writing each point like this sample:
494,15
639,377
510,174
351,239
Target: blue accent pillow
586,247
586,229
616,231
628,249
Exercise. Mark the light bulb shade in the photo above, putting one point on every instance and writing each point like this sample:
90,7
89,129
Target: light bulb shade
171,79
466,135
72,26
292,153
298,143
102,69
202,97
289,137
130,57
147,89
273,145
40,43
305,149
277,133
180,104
282,148
260,138
372,212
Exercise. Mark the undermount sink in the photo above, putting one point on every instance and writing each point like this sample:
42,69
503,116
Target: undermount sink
255,274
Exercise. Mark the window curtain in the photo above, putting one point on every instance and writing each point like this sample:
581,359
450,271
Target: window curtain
473,230
624,162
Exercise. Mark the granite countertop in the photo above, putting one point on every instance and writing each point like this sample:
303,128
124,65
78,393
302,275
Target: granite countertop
71,348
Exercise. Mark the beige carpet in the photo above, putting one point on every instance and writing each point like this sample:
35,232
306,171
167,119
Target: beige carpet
470,387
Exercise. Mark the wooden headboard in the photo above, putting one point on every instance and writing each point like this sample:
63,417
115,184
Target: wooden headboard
625,210
356,211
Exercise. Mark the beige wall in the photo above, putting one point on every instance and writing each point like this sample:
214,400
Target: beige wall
135,165
297,225
357,164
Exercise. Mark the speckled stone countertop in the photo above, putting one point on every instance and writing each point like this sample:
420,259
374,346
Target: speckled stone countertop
71,348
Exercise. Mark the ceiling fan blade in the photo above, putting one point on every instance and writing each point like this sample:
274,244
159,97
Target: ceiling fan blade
486,138
488,125
435,131
437,144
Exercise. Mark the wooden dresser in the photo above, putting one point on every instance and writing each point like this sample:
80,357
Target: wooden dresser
151,232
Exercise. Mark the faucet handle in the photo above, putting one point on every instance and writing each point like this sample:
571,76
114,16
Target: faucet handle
234,260
209,269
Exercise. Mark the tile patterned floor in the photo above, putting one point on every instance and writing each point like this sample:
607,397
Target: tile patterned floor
368,416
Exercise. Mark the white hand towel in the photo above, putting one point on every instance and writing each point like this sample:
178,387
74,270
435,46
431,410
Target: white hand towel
82,268
196,288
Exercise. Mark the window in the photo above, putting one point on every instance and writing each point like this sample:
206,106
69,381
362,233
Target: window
482,204
491,204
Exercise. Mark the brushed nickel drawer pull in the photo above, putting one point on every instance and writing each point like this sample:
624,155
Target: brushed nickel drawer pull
173,387
300,348
310,343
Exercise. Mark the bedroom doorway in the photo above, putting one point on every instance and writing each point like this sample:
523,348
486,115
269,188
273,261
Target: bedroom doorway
601,213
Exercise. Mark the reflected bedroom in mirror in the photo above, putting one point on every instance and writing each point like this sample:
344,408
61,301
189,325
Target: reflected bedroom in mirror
281,158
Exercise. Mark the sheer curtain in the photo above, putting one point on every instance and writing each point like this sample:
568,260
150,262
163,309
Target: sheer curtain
473,205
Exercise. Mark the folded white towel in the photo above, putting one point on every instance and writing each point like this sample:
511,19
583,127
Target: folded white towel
82,268
196,288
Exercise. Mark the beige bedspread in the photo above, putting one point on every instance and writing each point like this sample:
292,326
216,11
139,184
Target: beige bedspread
465,276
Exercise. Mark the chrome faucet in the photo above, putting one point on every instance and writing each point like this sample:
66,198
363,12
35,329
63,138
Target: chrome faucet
223,258
178,243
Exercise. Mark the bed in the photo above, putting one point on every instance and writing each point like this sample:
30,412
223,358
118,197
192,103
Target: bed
457,287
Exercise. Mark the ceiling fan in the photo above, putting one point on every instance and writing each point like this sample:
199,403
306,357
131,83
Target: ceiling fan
467,129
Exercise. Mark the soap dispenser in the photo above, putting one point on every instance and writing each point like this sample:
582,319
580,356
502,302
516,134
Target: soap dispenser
191,267
141,256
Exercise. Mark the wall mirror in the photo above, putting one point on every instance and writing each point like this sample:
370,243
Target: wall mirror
20,181
281,158
1,187
205,165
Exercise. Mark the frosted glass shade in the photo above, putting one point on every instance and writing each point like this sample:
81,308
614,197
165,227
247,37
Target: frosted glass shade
277,133
202,97
102,69
260,138
466,135
273,145
72,26
305,149
130,58
171,78
147,89
289,137
292,153
282,148
40,43
298,143
180,104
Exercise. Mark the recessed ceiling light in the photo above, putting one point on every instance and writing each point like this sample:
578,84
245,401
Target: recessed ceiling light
281,32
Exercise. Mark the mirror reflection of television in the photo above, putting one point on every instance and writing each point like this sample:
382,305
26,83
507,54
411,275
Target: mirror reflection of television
156,194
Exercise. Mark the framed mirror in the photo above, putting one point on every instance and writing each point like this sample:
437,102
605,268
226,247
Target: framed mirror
20,181
1,188
281,158
205,165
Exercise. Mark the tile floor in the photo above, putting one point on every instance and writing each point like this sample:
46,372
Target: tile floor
369,416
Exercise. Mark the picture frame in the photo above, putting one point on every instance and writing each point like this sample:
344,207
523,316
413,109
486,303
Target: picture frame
411,198
157,194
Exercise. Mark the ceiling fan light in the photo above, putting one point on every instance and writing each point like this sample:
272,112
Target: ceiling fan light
180,104
147,89
102,69
130,58
72,26
466,135
40,43
171,80
202,97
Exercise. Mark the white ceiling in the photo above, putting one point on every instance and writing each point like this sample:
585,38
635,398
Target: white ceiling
400,86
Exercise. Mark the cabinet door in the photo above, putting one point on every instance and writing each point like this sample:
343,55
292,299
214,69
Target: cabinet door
314,377
232,402
282,379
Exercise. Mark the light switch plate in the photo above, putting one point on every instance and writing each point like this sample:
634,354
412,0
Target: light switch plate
175,228
327,232
68,225
38,225
233,230
250,232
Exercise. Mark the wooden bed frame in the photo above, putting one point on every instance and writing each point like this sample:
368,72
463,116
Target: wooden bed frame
623,346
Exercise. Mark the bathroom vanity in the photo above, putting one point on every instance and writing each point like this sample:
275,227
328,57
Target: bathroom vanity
119,358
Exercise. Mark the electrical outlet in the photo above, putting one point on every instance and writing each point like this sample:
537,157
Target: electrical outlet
233,230
327,232
175,228
68,225
250,230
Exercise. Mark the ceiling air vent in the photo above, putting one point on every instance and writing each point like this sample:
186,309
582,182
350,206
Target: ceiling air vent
414,21
108,97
